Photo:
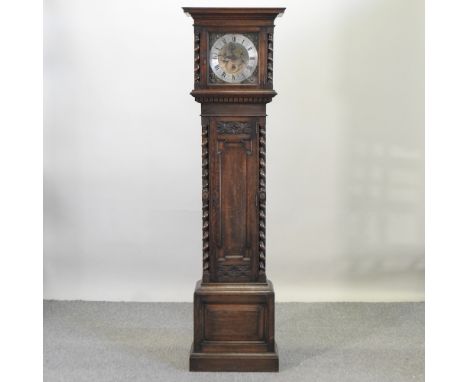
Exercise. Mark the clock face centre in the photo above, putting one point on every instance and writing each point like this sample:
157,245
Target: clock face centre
233,58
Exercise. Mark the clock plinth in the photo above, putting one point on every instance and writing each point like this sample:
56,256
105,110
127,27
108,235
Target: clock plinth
233,81
234,328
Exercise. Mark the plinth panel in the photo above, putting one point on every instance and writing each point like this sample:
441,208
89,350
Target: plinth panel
234,322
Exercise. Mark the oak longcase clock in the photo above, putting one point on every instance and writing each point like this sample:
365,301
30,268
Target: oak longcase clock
233,81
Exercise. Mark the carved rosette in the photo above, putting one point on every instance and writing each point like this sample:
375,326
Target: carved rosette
262,202
270,59
205,200
196,58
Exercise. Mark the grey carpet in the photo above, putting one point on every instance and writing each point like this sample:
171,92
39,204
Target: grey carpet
118,341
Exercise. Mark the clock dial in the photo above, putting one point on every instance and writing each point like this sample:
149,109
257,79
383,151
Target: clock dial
233,58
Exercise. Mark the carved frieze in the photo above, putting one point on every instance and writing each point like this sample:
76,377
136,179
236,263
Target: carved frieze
233,272
233,127
232,99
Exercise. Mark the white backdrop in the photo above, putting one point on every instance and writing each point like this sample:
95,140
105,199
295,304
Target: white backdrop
345,151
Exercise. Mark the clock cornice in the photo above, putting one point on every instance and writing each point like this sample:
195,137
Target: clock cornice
205,13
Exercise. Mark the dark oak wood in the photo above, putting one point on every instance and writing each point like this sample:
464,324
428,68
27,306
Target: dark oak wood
234,327
234,301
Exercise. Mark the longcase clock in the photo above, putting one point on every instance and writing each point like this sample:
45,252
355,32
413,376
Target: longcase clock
233,81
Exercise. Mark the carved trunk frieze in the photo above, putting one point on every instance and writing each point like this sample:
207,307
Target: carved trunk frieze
233,127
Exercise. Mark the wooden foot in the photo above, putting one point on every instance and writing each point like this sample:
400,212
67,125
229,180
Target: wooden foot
240,362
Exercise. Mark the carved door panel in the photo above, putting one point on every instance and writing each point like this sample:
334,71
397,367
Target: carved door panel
234,205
